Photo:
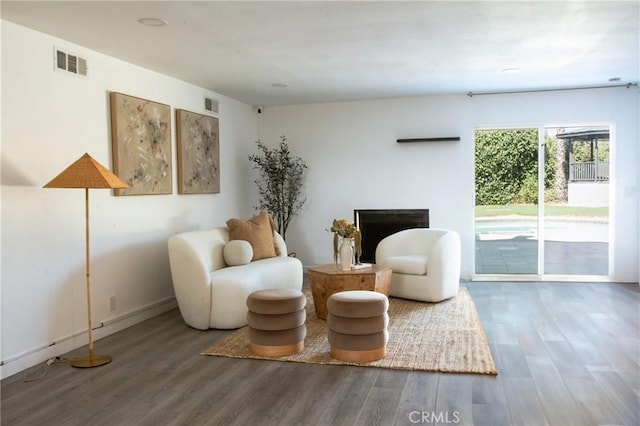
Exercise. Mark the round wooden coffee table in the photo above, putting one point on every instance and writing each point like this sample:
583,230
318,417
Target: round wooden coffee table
328,279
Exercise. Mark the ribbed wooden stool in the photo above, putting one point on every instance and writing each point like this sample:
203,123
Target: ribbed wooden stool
357,322
276,322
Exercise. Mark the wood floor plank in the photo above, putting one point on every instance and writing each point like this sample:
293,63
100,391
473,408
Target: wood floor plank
418,396
566,360
558,404
525,408
320,384
590,356
620,395
530,341
489,403
454,399
198,389
589,399
632,379
511,361
382,401
488,390
352,387
547,328
621,355
490,414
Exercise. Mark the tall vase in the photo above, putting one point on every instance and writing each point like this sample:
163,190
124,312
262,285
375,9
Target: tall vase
346,254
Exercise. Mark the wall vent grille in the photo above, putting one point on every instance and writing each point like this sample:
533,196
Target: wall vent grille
211,105
69,62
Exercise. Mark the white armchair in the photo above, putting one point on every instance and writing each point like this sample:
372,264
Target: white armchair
425,263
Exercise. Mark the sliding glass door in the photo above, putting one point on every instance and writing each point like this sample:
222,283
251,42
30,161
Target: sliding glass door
506,223
542,201
576,201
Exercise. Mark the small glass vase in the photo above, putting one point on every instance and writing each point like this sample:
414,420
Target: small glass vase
346,254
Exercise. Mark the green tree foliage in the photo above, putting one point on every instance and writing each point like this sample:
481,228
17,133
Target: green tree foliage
280,182
582,151
504,158
507,166
528,193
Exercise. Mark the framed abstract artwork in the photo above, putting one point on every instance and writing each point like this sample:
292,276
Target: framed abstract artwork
198,153
141,138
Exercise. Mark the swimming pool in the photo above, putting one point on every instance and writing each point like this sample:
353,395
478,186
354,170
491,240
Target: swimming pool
554,229
493,227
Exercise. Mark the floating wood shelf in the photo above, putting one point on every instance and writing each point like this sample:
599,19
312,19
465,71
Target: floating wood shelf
450,139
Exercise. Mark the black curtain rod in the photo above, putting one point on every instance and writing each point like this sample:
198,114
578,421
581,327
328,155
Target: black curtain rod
627,85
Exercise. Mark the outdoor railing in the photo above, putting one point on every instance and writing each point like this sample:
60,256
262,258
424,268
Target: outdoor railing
589,171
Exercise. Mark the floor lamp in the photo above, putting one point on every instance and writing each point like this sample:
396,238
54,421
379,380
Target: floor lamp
87,173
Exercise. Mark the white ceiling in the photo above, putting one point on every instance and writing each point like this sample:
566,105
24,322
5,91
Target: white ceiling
337,51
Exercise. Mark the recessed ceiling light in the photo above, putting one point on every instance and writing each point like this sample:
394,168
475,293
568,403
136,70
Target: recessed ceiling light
614,79
153,22
511,70
279,85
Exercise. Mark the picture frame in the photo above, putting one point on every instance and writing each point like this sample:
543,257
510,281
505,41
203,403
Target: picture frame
141,144
198,153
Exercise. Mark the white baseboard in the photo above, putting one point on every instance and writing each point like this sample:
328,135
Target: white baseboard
34,356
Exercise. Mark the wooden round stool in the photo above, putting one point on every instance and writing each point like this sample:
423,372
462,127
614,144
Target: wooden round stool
357,322
276,322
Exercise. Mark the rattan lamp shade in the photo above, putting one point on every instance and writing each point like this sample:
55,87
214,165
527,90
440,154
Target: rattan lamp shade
86,173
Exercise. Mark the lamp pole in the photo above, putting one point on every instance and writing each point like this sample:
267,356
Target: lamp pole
92,360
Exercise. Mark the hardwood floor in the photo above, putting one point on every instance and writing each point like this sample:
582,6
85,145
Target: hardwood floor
568,354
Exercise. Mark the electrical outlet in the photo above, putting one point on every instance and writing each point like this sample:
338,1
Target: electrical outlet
112,303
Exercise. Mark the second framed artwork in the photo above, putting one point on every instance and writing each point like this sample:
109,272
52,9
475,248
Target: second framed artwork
198,153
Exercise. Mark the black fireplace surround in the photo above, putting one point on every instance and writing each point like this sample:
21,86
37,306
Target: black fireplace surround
378,224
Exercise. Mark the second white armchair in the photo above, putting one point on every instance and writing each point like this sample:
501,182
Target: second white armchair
425,263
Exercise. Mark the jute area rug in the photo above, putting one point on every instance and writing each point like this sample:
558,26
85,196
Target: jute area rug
446,337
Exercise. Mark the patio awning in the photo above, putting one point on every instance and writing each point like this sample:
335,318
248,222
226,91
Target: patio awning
584,133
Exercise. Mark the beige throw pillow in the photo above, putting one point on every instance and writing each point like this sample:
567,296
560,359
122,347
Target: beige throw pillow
257,231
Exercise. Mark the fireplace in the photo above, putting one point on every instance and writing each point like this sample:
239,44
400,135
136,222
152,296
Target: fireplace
377,224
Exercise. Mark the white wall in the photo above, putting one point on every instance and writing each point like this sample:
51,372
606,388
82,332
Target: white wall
355,162
588,194
49,119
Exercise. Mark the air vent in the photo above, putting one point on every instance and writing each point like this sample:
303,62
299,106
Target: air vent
211,105
64,61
